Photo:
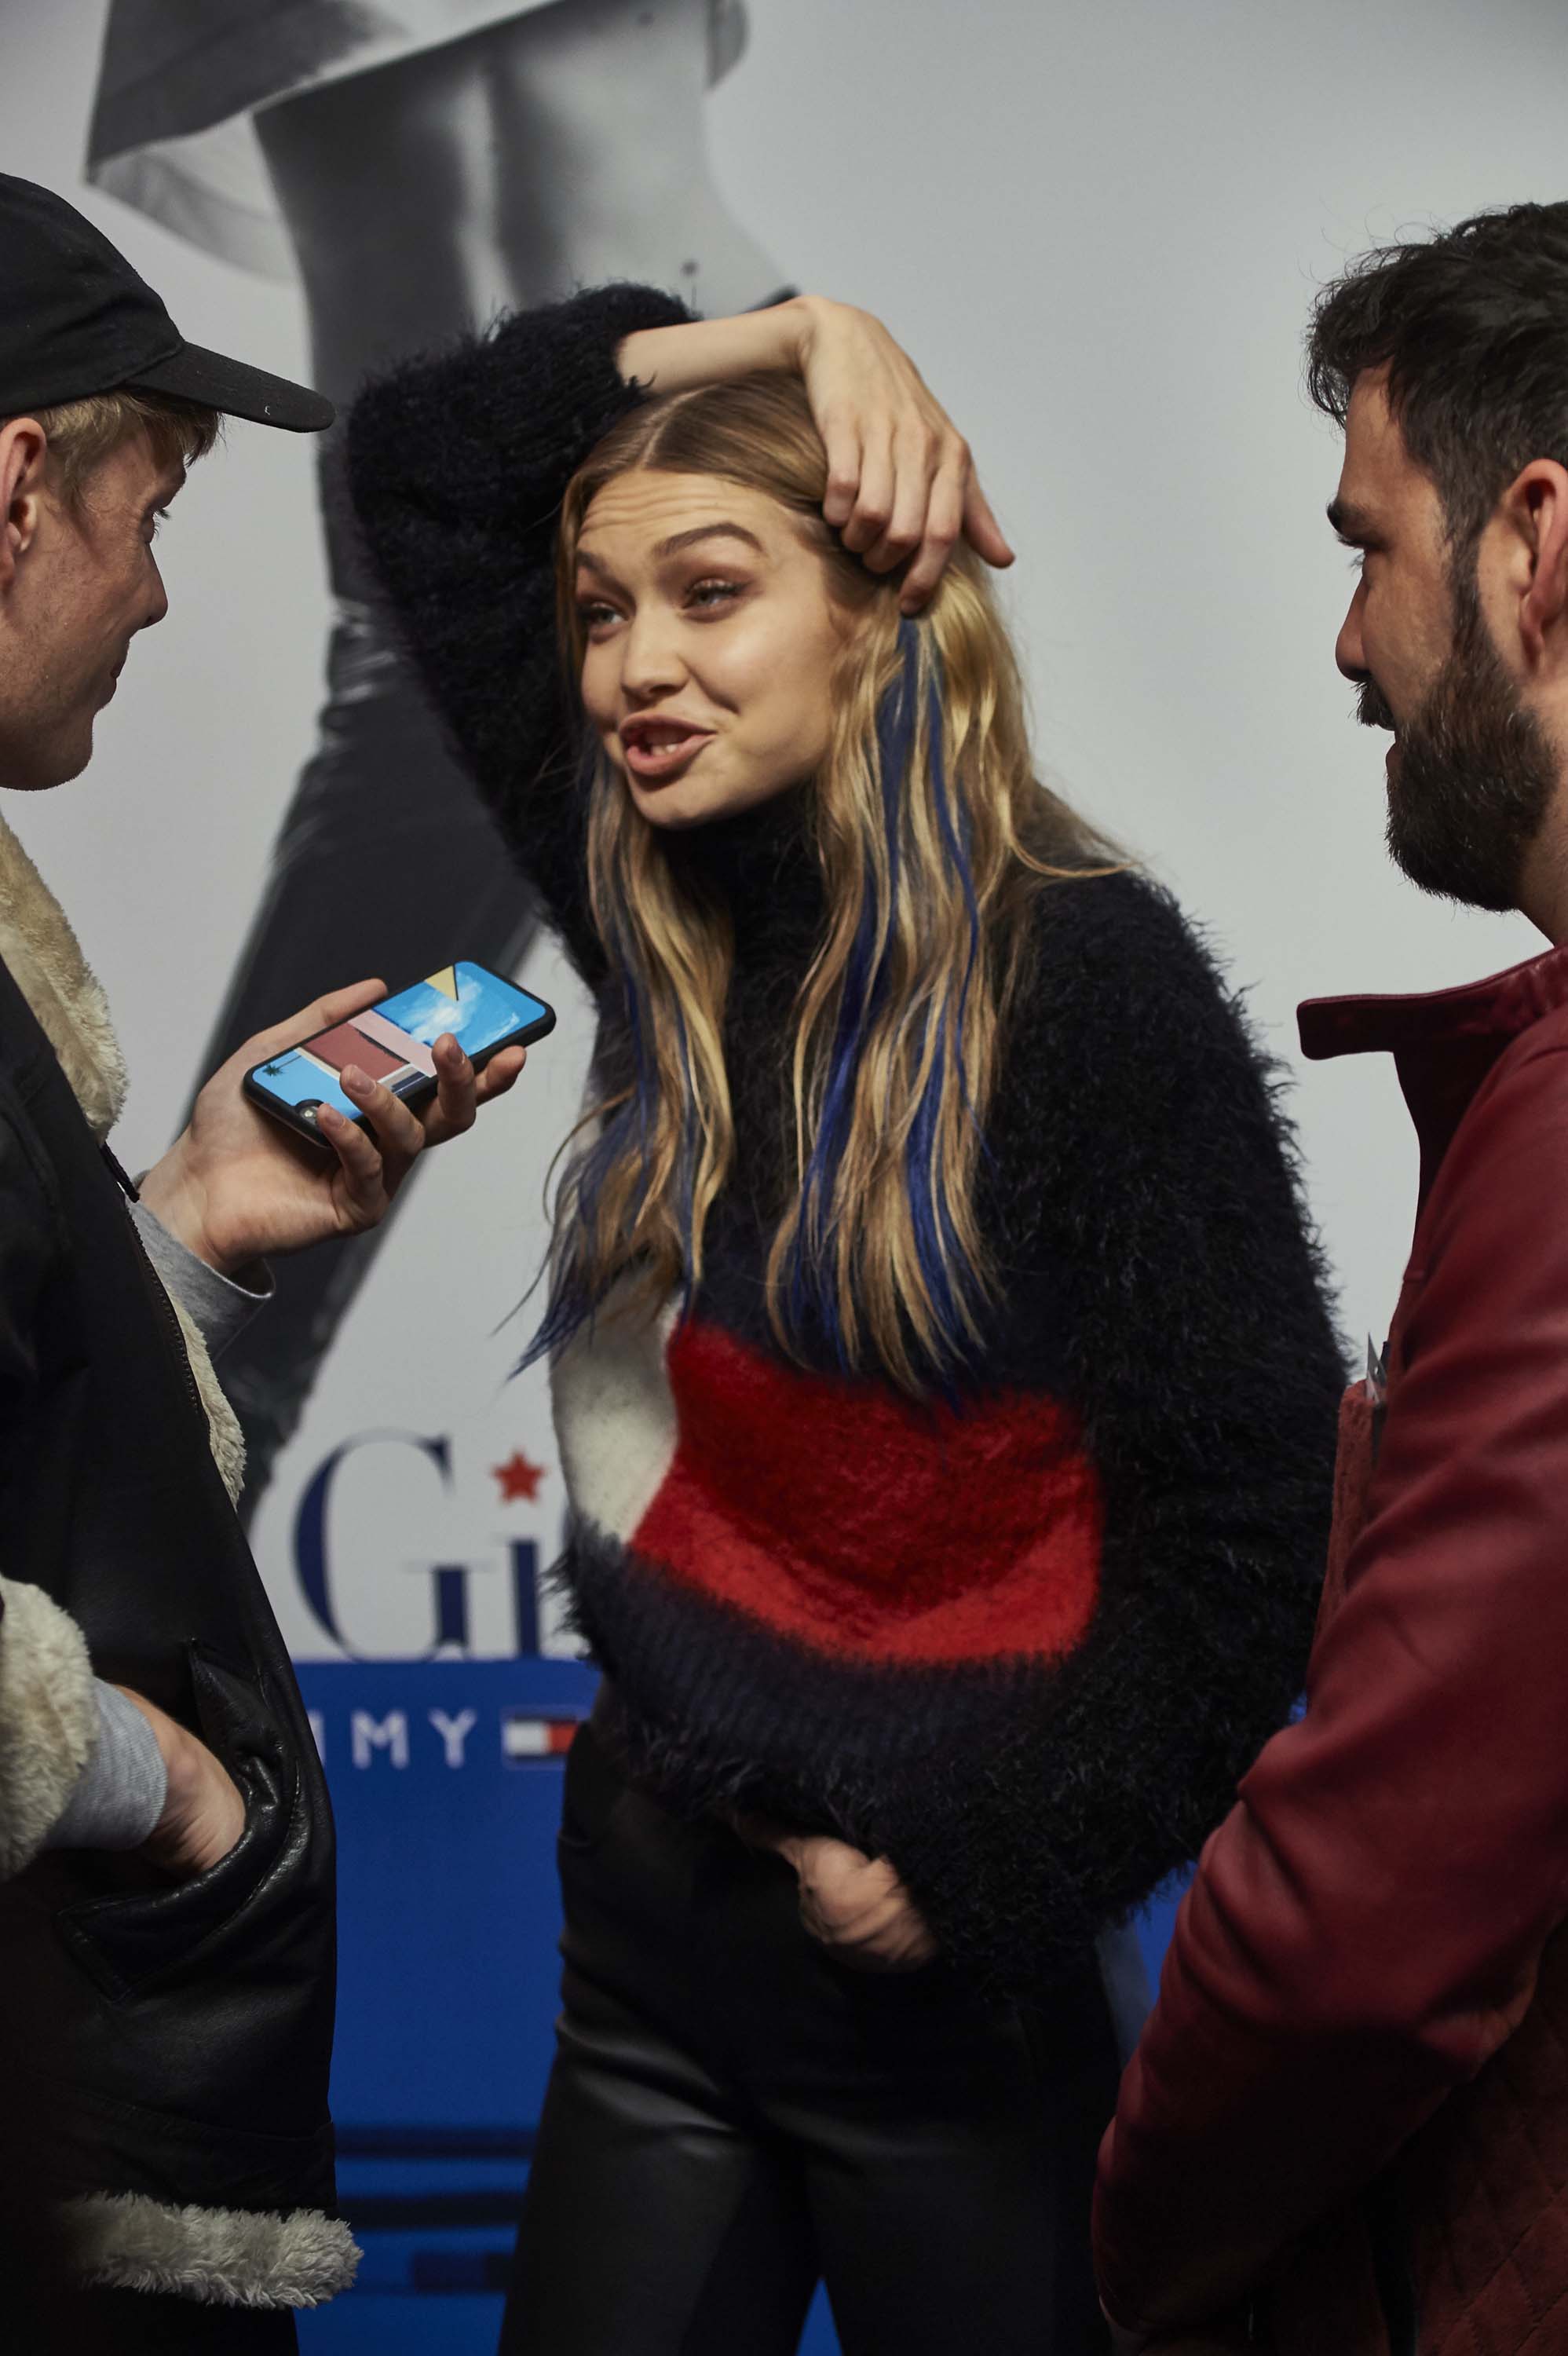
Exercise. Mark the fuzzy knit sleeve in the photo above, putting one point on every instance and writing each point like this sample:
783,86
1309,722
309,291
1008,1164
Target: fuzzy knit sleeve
457,462
1142,1157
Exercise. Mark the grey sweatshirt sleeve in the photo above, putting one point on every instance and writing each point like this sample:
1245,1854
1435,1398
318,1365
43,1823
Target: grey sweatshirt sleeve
119,1796
219,1306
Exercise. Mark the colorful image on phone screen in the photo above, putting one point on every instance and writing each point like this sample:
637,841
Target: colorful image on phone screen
392,1040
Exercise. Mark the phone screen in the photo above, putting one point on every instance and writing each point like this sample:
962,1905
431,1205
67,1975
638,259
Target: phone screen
392,1040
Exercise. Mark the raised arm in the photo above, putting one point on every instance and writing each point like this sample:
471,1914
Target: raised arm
457,463
902,485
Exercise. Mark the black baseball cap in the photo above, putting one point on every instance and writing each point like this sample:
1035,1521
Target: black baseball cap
76,319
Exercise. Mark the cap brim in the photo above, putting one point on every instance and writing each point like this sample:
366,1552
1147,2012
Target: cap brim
196,374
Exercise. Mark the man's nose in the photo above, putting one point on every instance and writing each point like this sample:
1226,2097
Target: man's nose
1350,653
157,603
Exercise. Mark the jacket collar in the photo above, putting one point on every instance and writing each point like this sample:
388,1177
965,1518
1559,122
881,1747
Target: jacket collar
1444,1042
46,962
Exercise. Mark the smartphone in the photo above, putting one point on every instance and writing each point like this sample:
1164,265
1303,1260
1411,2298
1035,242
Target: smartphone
392,1041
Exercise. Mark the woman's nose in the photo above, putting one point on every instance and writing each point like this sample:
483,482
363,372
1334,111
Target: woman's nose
651,662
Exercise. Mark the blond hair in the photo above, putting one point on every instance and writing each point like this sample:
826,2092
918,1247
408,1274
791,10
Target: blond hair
83,433
931,833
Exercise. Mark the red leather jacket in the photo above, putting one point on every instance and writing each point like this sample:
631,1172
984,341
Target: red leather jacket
1350,2109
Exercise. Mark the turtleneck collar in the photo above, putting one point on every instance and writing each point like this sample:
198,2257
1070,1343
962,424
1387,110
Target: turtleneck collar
762,864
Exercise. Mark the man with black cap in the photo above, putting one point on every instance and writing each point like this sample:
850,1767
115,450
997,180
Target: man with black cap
165,1841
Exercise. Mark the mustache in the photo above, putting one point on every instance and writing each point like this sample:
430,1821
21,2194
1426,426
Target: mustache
1371,707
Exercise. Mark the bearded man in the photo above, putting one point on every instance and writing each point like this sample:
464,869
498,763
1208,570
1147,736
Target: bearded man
1346,2127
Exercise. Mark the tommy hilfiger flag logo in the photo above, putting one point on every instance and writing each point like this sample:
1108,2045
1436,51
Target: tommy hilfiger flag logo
526,1738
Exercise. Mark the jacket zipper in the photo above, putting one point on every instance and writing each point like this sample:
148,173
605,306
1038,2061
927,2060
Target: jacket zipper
165,1306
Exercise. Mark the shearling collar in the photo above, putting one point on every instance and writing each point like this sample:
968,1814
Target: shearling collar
47,966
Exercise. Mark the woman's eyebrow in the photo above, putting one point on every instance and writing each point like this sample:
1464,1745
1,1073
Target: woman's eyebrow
679,540
592,564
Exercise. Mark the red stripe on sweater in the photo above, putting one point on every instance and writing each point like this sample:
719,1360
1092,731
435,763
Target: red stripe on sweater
840,1515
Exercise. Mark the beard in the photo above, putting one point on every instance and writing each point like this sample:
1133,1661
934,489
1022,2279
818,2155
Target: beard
1474,778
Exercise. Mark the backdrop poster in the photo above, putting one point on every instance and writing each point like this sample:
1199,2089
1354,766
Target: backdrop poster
1098,229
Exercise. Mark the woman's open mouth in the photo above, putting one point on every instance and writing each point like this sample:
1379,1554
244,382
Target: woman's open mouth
658,750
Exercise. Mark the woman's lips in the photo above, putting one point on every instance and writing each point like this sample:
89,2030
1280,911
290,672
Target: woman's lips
653,760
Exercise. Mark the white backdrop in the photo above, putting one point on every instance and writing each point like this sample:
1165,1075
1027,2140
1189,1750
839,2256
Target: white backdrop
1098,225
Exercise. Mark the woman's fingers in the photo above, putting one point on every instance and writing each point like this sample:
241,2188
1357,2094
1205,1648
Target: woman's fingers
916,457
841,441
984,533
940,527
873,511
896,465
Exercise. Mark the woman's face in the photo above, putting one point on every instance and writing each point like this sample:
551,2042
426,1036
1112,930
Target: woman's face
710,638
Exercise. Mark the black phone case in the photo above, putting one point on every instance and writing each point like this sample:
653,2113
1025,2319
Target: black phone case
302,1125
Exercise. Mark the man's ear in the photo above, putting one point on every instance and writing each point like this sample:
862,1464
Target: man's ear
1536,505
24,453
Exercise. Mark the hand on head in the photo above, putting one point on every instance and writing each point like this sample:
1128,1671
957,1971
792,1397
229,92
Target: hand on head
902,482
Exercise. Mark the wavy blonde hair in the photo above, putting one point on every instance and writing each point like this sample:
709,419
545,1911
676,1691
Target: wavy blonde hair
931,832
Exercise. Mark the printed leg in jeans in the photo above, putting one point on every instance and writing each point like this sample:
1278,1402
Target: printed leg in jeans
563,148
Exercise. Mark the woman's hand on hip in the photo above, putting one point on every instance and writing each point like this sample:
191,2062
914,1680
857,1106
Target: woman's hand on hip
902,485
856,1905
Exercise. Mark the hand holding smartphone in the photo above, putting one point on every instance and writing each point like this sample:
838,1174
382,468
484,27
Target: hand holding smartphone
233,1188
392,1041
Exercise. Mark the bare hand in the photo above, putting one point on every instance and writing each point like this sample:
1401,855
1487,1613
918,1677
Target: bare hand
856,1905
204,1815
901,479
238,1186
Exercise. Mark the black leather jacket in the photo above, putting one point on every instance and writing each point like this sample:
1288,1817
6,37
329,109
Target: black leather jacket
176,2042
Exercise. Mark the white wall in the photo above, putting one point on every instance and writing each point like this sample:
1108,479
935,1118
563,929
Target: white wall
1098,225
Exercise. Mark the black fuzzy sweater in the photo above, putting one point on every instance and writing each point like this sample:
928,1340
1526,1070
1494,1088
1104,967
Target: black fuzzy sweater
1023,1646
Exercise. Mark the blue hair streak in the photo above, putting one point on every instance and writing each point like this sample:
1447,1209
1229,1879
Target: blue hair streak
811,1290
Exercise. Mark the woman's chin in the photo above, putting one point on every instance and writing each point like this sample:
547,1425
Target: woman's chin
690,801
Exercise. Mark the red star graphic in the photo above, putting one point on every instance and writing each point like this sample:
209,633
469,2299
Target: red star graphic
517,1477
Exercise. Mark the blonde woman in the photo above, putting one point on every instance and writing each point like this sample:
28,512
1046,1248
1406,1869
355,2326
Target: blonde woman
941,1372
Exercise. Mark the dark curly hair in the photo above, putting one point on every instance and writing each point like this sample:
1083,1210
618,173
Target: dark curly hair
1472,325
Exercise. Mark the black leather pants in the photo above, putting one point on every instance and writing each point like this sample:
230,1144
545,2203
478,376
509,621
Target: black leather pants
731,2116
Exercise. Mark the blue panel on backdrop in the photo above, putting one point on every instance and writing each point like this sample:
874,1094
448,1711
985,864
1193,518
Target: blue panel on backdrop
446,1778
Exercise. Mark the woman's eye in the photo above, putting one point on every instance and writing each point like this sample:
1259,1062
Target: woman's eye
594,615
711,594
